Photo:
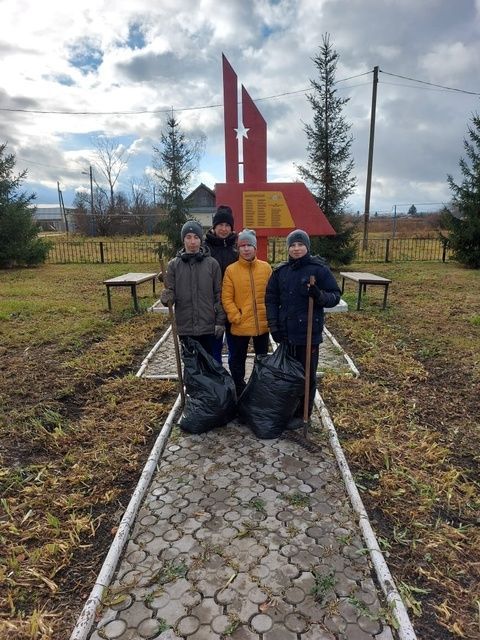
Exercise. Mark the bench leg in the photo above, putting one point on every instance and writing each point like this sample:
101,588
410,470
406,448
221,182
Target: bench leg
134,296
109,300
385,295
359,297
153,283
343,285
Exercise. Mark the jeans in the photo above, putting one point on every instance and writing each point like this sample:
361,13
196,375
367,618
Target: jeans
218,346
206,341
239,356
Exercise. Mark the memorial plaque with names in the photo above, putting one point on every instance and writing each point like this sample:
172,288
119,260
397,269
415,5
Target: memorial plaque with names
266,209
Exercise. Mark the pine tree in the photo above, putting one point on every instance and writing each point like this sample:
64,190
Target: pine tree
19,241
412,211
175,161
329,163
462,220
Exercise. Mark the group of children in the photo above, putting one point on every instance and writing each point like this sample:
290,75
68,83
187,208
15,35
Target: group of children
220,288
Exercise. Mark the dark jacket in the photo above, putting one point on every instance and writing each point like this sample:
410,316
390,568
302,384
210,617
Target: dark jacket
222,249
194,283
287,298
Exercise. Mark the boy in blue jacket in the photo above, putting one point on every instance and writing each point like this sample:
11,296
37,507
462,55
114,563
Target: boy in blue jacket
286,299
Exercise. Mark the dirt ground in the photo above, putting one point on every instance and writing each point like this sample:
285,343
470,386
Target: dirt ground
76,427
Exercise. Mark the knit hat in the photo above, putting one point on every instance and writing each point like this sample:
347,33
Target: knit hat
191,226
247,237
298,236
223,214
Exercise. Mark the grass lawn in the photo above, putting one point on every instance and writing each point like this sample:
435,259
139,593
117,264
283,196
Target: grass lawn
76,427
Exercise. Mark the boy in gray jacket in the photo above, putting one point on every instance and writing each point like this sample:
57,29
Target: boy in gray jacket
193,283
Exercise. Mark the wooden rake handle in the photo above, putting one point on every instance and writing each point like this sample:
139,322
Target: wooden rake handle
308,360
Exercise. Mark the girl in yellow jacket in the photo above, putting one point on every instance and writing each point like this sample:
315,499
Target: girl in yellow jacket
243,299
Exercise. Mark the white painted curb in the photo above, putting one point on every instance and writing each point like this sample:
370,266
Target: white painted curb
152,352
87,616
350,362
405,629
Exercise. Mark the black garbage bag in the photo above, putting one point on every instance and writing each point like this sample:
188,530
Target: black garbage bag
272,394
210,397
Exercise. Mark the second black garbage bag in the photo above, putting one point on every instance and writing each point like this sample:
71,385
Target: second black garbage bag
272,393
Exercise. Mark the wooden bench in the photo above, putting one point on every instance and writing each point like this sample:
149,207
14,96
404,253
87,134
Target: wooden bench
364,279
131,280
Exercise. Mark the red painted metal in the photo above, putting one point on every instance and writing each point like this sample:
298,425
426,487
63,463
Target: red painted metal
230,116
255,144
291,204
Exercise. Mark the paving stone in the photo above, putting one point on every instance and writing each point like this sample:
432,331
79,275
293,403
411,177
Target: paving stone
188,625
114,629
123,601
385,634
369,625
317,634
135,614
206,610
335,623
149,628
344,586
242,608
251,562
226,596
205,633
257,595
353,632
279,632
220,623
261,623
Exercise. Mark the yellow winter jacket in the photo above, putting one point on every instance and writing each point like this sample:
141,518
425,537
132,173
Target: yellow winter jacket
243,296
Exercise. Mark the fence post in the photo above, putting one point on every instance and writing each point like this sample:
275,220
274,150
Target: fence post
387,251
102,256
444,252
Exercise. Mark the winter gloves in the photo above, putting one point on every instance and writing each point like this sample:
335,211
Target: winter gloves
317,294
219,331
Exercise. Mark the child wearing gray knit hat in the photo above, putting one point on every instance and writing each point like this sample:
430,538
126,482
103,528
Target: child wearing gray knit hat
298,235
247,236
191,226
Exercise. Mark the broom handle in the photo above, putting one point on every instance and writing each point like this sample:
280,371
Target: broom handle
308,360
177,352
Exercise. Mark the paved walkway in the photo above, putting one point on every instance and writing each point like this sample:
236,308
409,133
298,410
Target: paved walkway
245,539
162,364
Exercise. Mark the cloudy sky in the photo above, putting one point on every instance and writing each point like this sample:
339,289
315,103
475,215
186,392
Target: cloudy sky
125,64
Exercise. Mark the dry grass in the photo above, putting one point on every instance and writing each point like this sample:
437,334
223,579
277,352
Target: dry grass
76,428
409,427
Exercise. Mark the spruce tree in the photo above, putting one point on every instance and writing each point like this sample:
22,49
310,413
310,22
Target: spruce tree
175,161
329,164
19,241
462,220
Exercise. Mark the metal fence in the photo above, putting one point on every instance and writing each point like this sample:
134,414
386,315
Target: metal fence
381,250
133,251
136,251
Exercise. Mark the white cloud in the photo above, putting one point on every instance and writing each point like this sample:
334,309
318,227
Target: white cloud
139,56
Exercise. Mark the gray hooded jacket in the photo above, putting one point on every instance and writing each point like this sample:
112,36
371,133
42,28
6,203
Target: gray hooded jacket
193,282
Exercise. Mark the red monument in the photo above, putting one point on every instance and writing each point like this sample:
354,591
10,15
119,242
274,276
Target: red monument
271,208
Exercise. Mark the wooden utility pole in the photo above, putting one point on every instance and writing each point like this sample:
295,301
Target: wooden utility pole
370,158
62,207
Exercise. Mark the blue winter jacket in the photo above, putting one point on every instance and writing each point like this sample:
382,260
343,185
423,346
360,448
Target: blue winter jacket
286,298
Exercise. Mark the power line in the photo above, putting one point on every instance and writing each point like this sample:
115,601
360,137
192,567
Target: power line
432,84
216,106
161,111
409,86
